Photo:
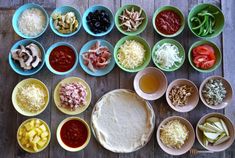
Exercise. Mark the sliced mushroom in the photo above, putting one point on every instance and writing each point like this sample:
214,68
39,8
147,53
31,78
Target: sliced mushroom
36,53
29,60
14,54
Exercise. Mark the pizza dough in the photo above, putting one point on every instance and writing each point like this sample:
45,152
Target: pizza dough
122,121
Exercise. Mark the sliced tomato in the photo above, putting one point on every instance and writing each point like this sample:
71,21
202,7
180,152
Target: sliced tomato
199,60
203,56
201,50
208,64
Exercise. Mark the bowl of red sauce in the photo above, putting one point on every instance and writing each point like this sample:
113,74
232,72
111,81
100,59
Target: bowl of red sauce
73,134
168,21
61,58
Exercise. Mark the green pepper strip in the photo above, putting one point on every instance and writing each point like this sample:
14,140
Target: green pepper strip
203,22
207,26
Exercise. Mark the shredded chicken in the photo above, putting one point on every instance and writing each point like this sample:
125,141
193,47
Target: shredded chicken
131,20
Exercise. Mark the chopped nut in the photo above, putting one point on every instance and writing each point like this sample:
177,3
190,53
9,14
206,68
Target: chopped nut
179,95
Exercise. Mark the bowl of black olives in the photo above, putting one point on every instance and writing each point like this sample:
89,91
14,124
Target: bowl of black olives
98,20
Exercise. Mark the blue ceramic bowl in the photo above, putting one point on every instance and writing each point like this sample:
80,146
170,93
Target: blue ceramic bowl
49,52
64,10
17,14
15,64
100,72
93,9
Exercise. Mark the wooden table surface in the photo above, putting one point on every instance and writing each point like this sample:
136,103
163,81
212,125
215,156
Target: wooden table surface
10,119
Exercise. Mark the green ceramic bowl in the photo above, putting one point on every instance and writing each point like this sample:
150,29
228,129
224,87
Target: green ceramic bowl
147,52
218,55
172,8
219,19
140,29
181,54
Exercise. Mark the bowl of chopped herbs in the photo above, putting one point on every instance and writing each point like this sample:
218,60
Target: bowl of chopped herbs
216,92
206,20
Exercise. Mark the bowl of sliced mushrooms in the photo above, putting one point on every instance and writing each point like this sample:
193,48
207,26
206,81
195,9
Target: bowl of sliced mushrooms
131,20
26,57
65,21
182,95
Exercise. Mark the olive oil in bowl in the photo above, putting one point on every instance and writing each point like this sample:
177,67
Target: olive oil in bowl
149,83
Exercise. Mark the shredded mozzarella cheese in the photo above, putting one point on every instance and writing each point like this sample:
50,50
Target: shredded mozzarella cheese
174,134
32,22
31,97
131,54
167,55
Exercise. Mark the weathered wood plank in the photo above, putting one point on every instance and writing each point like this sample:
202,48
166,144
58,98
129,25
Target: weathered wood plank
7,4
44,3
117,78
8,79
228,59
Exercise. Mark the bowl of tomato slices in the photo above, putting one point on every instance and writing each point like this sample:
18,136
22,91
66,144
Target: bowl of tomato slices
204,56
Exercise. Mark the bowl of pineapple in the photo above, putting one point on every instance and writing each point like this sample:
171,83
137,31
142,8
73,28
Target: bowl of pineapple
33,135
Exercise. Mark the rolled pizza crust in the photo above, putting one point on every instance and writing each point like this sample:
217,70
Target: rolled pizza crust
122,121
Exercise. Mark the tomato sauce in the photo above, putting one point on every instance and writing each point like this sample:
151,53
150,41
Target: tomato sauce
74,133
168,22
62,58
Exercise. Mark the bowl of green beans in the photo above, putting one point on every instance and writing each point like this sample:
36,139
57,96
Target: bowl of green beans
206,20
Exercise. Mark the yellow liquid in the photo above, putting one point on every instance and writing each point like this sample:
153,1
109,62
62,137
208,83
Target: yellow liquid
149,83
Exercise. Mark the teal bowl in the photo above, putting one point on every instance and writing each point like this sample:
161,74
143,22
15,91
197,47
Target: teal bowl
50,49
176,10
100,72
219,19
93,9
18,13
16,66
218,56
181,54
147,52
140,29
64,10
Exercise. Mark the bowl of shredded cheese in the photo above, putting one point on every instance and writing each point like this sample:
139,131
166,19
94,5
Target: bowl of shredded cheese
168,55
175,135
30,97
132,53
30,20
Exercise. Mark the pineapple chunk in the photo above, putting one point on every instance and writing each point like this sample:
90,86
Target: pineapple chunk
35,148
41,143
36,139
44,134
32,123
31,134
39,131
43,127
28,126
37,123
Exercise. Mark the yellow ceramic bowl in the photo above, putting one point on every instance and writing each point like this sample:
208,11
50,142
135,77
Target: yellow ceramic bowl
57,97
15,101
26,149
64,146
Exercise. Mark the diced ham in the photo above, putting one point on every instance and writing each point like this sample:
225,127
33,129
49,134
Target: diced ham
72,95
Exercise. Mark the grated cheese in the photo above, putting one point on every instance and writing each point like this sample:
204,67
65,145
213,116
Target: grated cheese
131,54
167,55
32,22
31,97
174,134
